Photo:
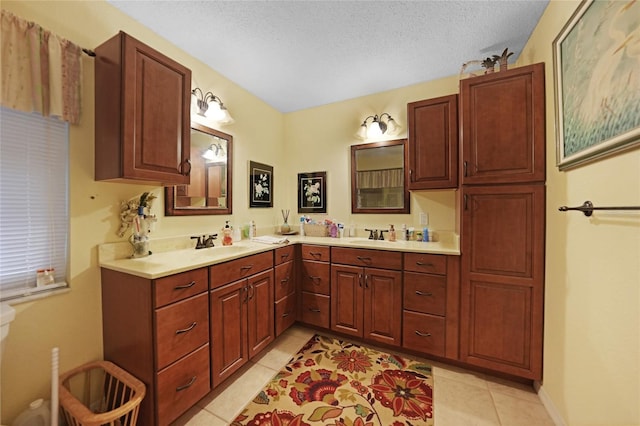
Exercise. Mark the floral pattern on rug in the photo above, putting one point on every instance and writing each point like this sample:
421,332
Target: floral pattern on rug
338,383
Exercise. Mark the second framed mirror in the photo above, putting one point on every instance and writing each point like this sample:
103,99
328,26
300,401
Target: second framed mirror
379,177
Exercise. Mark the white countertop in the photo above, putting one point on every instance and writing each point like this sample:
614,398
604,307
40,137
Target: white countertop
171,258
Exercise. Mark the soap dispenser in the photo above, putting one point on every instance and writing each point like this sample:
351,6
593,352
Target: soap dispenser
392,233
227,237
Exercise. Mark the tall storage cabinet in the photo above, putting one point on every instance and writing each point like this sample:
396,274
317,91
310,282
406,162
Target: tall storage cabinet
142,126
503,221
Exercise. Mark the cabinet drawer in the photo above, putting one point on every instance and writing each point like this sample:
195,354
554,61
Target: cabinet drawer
285,280
423,333
181,328
284,254
315,309
319,253
430,263
363,257
182,384
425,293
285,314
180,286
234,270
315,277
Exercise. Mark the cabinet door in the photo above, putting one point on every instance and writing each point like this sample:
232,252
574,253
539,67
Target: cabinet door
502,118
156,120
433,143
260,312
346,299
229,350
383,305
503,278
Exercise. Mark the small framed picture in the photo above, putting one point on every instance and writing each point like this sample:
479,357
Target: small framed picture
312,192
260,185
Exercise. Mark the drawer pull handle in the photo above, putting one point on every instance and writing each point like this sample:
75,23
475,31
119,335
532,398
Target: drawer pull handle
316,254
182,287
284,256
425,264
423,334
315,279
184,330
188,385
314,310
286,314
284,281
419,293
363,259
246,268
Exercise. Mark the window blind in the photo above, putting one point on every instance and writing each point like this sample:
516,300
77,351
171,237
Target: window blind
34,217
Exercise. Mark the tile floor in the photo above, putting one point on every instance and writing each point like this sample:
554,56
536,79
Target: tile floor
460,397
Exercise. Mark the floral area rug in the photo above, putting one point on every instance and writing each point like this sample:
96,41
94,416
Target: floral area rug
338,383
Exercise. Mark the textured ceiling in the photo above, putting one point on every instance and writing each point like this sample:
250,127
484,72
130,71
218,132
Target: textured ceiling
300,54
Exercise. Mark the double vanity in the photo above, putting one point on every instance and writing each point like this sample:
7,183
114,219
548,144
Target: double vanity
184,320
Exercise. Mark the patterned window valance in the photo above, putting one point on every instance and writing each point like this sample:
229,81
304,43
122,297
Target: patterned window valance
41,71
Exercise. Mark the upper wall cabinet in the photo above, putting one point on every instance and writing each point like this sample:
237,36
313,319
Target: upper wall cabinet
142,122
433,143
502,126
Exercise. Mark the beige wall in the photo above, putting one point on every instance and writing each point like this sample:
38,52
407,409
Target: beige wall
592,345
592,297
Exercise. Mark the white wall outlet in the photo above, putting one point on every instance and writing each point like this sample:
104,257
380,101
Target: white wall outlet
424,218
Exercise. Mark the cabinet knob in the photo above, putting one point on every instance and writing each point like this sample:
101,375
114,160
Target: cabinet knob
185,168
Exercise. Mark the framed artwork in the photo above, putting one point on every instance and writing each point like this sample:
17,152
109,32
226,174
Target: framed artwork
597,82
312,192
260,185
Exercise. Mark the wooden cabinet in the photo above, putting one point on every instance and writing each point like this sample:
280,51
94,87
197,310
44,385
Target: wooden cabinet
242,312
430,304
285,288
502,126
315,285
366,293
503,278
142,118
433,143
503,219
158,330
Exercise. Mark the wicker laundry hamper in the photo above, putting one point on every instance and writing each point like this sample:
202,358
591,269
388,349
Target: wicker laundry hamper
100,393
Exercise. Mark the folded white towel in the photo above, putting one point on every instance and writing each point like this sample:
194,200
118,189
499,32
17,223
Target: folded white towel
266,239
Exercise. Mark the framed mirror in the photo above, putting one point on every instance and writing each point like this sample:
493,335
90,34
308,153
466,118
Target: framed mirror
211,170
379,177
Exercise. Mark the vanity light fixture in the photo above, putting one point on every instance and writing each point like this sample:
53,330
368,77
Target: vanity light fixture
215,153
380,125
210,106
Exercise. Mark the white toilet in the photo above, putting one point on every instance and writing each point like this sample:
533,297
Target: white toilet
7,314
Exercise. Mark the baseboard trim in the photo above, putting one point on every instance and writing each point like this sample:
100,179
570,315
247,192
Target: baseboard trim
548,404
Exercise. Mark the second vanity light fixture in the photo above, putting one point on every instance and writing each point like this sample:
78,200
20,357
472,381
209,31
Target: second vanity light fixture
215,153
210,106
380,125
